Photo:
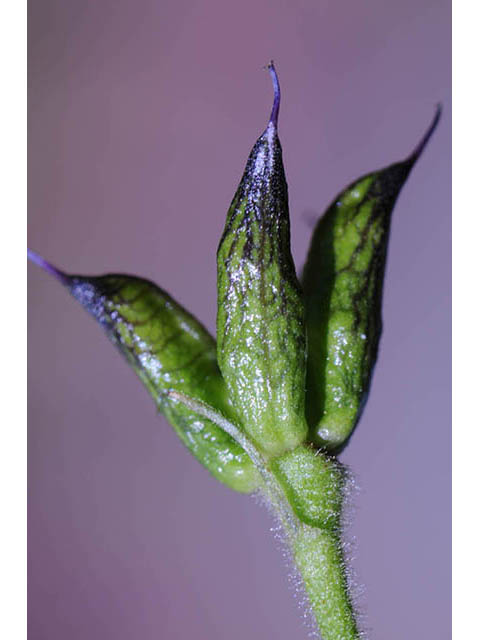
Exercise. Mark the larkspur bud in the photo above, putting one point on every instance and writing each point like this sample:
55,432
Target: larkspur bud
343,284
260,321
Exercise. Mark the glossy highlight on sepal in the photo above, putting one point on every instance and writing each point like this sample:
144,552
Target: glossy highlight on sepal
168,349
255,409
260,318
343,286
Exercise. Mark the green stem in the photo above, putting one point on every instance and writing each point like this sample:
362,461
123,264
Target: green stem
317,551
319,558
272,491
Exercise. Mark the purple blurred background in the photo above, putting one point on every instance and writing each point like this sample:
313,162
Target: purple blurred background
141,117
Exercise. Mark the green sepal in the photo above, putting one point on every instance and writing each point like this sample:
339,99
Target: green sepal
169,350
343,282
260,321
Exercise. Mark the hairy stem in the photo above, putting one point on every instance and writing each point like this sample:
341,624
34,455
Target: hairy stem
319,558
317,551
272,492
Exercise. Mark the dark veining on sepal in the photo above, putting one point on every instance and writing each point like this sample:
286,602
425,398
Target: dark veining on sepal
260,321
169,350
343,285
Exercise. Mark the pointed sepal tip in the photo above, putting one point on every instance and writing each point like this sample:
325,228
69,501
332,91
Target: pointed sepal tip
48,267
417,152
276,94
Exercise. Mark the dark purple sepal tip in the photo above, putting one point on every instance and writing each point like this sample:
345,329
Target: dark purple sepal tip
417,152
276,94
62,277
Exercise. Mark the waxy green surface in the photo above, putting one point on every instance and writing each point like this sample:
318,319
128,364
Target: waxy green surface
260,321
343,285
169,349
256,381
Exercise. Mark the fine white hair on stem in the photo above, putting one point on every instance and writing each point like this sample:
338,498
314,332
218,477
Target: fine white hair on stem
356,588
274,492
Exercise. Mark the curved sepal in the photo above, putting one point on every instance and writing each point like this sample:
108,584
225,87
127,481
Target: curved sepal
343,282
169,350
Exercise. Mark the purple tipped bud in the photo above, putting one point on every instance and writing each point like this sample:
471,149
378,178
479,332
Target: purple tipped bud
49,268
417,152
276,95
